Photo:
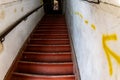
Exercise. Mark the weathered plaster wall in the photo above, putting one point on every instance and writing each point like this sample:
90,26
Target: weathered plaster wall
96,37
9,13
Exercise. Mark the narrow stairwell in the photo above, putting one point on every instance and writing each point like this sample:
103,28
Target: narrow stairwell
48,54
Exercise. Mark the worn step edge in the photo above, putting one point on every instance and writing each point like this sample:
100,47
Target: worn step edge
45,63
41,34
27,52
36,57
50,30
45,68
42,24
47,45
33,75
47,53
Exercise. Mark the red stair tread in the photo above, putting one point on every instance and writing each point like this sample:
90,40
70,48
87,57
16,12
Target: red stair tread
21,76
51,32
48,48
51,57
50,36
50,41
45,68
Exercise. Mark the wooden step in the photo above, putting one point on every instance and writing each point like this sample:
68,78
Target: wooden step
46,57
53,22
51,32
44,24
52,29
48,26
50,36
21,76
45,68
49,41
48,48
42,27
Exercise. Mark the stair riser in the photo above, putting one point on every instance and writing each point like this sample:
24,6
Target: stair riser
44,24
23,77
54,26
45,69
49,27
51,32
47,57
48,48
50,42
50,36
52,29
49,21
53,21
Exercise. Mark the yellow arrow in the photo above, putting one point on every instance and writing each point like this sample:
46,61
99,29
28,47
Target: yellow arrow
109,52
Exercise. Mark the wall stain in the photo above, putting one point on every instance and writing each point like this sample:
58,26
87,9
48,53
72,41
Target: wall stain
15,10
22,9
93,26
2,14
109,52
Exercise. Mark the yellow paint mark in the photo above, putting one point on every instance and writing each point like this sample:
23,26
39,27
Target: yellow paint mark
109,52
86,21
15,10
76,13
79,14
93,26
2,14
22,9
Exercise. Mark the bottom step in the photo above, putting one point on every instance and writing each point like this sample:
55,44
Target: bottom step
20,76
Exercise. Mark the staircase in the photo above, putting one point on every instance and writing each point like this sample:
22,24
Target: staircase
48,53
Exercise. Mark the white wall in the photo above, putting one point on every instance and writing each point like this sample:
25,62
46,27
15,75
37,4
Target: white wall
9,13
96,37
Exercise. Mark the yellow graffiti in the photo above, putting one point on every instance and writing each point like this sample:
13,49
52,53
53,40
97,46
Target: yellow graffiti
93,26
109,52
86,21
79,14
